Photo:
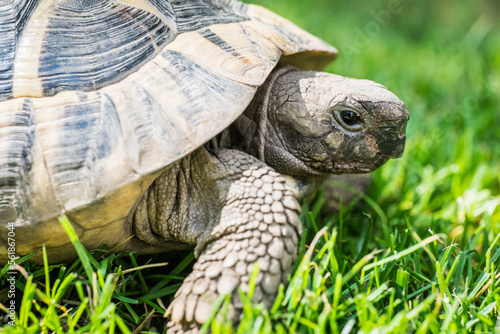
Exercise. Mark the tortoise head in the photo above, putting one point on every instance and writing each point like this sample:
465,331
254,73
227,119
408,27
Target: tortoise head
332,124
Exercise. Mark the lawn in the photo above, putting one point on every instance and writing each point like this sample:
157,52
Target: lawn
419,253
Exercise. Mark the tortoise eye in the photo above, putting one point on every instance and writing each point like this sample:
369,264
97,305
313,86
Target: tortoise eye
349,117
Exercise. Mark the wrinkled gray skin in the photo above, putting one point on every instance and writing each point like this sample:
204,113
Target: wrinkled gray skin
236,198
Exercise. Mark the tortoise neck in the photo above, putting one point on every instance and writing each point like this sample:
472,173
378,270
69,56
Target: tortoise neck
252,131
255,131
261,114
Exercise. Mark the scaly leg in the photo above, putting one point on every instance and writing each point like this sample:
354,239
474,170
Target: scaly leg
259,223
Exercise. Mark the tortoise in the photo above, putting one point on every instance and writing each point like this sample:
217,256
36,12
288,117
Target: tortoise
172,125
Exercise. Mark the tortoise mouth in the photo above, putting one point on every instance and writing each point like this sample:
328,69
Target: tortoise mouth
353,167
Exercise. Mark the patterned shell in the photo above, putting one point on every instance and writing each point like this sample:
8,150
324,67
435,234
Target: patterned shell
97,97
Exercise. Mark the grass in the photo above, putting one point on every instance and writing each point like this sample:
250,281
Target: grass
420,254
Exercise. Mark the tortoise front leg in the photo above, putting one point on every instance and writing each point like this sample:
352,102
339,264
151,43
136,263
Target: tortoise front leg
258,223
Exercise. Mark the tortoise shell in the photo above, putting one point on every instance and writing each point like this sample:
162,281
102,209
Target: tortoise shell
97,97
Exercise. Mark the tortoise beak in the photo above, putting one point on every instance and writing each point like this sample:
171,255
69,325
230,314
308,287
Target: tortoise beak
391,136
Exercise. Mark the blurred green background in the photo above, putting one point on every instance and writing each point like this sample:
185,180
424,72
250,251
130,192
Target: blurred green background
442,58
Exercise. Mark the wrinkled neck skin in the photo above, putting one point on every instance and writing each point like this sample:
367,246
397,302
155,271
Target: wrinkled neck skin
254,133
